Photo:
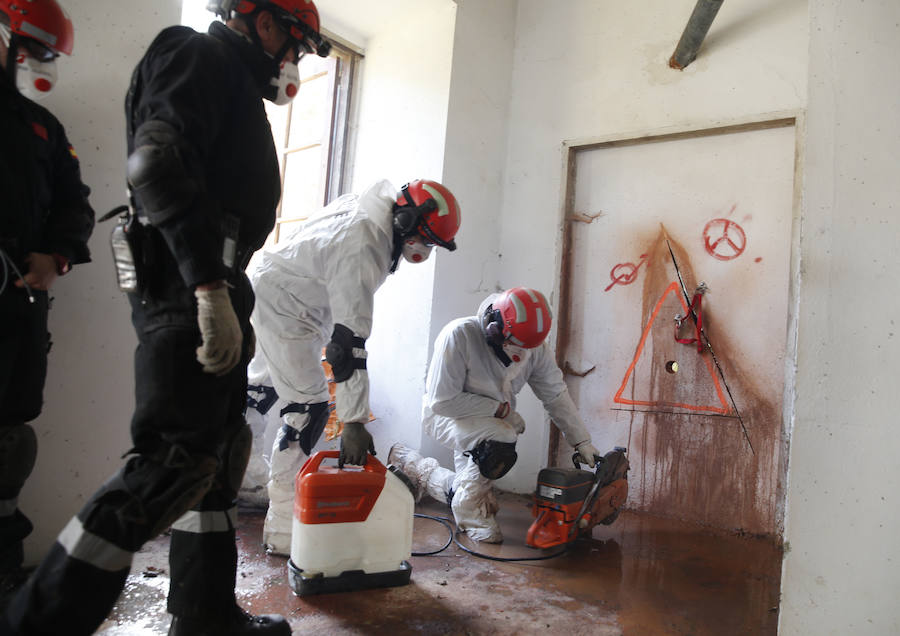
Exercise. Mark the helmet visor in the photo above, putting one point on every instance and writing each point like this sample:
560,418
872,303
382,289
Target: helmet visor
37,50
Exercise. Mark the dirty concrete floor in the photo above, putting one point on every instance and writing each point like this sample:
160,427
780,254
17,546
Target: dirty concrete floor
640,576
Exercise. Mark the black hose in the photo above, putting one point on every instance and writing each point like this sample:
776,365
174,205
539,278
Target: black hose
444,522
455,531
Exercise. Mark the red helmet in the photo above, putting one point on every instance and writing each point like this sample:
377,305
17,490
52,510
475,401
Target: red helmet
428,208
524,315
41,20
299,18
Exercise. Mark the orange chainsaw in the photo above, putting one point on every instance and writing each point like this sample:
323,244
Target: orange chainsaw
570,502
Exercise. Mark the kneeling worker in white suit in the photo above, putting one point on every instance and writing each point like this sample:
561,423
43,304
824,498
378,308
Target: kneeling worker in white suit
479,365
316,287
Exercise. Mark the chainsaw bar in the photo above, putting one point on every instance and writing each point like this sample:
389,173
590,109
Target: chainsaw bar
609,469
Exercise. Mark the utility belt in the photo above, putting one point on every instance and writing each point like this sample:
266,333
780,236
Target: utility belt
140,253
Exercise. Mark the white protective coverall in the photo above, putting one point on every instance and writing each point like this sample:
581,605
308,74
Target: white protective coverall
325,272
466,384
264,421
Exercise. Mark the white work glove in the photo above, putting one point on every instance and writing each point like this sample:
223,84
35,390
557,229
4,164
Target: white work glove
221,332
511,417
586,453
515,420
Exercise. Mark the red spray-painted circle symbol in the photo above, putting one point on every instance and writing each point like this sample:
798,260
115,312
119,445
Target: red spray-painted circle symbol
625,273
724,239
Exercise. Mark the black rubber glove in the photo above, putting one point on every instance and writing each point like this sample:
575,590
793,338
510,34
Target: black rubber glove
355,441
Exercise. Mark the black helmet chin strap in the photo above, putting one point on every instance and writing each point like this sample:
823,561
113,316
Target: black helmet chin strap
491,327
258,59
275,65
396,251
12,52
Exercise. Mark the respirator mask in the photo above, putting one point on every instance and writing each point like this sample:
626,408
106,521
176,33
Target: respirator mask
415,250
515,353
283,89
35,65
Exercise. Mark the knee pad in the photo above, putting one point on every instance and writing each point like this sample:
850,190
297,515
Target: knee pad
158,172
236,457
494,459
186,479
150,493
18,451
311,431
341,353
261,397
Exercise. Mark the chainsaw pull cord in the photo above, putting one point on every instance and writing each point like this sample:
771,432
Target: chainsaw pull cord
696,309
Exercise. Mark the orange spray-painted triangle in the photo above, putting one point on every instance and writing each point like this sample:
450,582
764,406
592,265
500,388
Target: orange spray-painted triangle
722,407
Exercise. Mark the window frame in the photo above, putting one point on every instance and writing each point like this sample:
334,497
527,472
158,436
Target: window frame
334,178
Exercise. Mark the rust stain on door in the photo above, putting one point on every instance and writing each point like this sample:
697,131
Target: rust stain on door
693,464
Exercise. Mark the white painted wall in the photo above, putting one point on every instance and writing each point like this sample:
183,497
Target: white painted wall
400,129
473,166
843,519
88,399
594,68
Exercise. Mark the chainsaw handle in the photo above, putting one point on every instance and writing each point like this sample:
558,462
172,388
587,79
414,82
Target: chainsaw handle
312,464
577,463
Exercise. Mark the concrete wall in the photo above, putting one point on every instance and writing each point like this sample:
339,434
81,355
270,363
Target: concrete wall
586,69
88,399
843,519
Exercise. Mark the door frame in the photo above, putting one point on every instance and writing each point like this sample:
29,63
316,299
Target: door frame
568,217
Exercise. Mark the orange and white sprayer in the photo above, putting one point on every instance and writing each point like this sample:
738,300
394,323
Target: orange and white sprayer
352,527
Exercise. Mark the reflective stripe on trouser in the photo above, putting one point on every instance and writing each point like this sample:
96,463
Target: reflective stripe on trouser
205,562
474,505
185,428
78,582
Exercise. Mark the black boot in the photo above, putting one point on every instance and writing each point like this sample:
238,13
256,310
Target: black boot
13,529
234,623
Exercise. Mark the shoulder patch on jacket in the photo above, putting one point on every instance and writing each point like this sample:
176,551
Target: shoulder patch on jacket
40,131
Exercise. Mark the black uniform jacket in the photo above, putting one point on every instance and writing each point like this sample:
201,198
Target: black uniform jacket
208,88
43,203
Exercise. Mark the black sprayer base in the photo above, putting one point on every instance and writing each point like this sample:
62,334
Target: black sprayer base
348,581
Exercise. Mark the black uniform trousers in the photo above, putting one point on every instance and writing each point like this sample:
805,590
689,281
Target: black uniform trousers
191,445
24,342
